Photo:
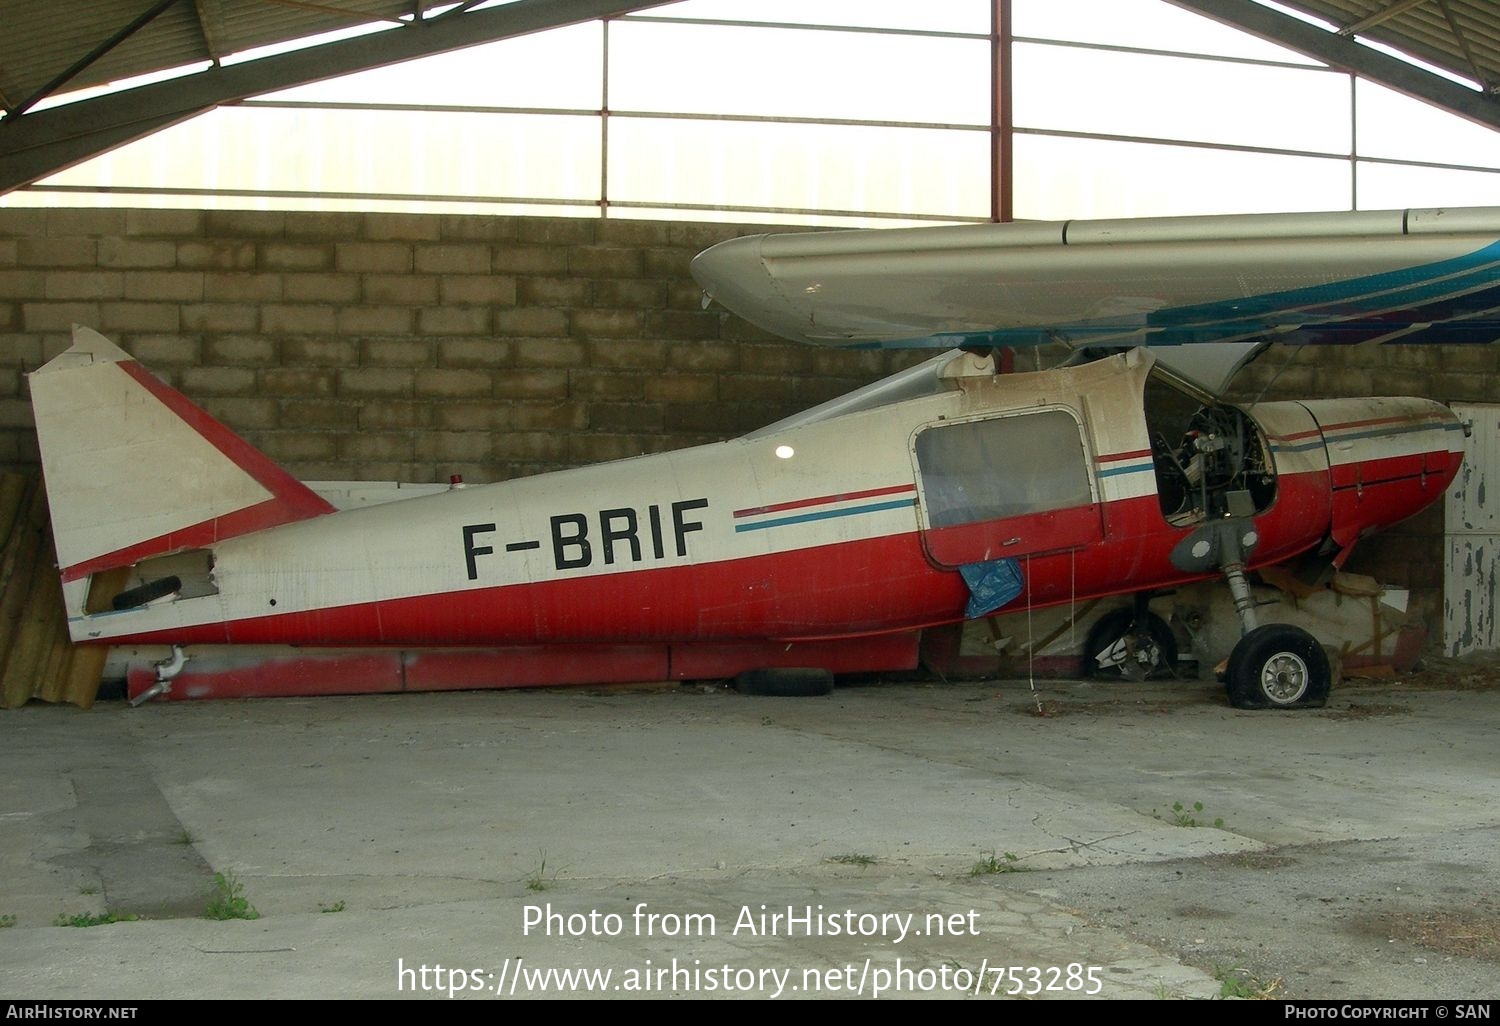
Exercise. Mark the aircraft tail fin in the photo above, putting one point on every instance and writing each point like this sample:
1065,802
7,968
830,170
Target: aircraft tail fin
134,469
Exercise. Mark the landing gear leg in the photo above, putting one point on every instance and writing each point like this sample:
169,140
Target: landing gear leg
1244,601
1276,666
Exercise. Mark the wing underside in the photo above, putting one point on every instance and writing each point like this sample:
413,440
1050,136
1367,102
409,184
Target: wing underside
1358,278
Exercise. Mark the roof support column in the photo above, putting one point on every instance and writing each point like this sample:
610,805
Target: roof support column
1002,127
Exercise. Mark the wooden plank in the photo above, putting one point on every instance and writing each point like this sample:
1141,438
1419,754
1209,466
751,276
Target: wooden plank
31,648
19,544
14,488
22,552
31,608
84,672
52,637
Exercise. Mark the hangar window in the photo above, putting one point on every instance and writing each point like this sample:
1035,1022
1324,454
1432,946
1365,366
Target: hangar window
1004,467
827,112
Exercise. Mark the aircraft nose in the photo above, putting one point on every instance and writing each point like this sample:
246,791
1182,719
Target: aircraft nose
1454,433
1388,459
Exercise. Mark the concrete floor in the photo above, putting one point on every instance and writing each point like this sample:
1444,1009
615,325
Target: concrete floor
382,837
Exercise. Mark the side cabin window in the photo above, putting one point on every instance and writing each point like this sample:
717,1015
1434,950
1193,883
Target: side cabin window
992,469
998,487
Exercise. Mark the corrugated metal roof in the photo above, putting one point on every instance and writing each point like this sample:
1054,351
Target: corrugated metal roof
50,48
1458,36
40,42
113,39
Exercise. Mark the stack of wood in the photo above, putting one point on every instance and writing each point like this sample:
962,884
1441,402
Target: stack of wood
36,658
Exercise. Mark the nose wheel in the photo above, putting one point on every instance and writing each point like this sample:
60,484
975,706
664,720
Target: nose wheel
1278,666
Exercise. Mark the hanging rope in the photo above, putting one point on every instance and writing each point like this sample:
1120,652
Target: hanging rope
1031,642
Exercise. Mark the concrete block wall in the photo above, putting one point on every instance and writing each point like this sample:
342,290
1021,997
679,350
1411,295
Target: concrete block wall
406,346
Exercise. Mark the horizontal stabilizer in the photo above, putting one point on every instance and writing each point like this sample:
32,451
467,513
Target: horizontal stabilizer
134,469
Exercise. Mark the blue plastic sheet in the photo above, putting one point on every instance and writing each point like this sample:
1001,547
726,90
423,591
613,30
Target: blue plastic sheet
991,584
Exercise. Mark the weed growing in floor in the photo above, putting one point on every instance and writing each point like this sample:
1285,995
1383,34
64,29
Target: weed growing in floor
7,921
229,901
1183,816
1241,983
537,879
337,906
991,863
852,859
90,919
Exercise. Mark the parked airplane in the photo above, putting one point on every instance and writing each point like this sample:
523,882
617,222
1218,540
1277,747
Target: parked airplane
832,539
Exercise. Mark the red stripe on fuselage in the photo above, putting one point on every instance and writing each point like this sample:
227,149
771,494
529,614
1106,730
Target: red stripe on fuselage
864,587
270,513
1432,420
1117,456
1295,436
822,499
1406,418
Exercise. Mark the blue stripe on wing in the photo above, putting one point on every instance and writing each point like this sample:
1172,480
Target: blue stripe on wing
1454,301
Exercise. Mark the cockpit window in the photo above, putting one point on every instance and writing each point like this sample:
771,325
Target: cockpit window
912,383
1003,467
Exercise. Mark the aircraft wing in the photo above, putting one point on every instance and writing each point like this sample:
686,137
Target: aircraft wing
1403,276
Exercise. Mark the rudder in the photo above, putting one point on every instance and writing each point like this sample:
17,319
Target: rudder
134,469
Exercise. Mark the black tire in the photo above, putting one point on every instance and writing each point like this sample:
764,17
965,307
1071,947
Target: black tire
1151,647
785,682
1278,666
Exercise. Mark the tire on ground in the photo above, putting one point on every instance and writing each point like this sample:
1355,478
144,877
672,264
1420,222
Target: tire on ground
1278,666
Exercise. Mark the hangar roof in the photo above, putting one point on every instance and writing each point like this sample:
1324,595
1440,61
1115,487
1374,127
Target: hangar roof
112,39
43,54
1459,38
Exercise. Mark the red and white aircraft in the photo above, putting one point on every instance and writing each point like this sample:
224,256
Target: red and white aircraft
830,540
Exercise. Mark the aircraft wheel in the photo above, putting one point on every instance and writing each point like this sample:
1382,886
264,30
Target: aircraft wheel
1278,666
1148,647
785,682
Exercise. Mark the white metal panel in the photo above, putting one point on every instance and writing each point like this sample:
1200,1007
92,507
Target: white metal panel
1127,282
122,467
1472,533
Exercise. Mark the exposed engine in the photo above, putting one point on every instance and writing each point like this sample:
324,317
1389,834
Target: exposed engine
1220,453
